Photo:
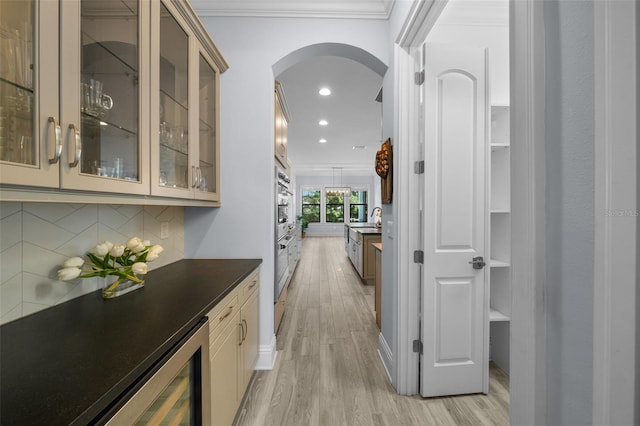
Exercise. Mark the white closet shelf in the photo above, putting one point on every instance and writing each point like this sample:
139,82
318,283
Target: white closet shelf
501,211
497,316
500,145
498,263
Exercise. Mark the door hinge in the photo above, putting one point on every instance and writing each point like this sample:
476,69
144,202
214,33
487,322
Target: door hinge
418,167
418,256
417,346
419,77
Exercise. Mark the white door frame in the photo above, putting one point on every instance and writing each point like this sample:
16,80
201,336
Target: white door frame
616,213
527,380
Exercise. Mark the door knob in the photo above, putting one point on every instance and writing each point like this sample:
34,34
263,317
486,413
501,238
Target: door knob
477,262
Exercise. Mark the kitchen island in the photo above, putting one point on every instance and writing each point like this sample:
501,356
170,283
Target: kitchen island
68,364
358,240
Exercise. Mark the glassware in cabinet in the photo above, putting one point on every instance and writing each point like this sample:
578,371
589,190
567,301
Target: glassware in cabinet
207,170
185,154
172,174
103,92
29,130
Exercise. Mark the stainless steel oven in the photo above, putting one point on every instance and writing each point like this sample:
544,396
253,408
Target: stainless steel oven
176,392
282,227
283,201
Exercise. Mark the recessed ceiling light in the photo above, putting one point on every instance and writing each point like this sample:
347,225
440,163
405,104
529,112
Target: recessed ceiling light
322,141
325,91
323,122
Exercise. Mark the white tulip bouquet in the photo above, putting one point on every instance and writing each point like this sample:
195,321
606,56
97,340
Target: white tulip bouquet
126,261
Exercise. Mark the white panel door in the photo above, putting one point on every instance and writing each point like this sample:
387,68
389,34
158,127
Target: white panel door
455,295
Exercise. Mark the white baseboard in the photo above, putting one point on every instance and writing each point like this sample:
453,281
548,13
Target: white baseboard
386,356
267,355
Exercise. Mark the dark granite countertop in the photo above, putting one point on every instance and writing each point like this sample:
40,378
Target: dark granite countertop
66,364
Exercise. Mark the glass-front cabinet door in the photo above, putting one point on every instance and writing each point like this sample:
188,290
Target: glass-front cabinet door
171,174
185,154
104,100
30,139
208,146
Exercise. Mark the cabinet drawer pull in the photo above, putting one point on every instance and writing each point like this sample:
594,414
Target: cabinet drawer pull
55,148
75,148
253,284
227,313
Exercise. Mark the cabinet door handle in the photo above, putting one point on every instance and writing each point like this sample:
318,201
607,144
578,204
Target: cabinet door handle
227,313
193,176
243,331
244,326
55,143
75,152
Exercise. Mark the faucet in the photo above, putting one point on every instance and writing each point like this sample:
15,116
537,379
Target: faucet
378,212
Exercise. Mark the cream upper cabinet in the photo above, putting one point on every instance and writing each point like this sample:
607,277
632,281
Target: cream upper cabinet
104,101
30,133
185,80
281,126
83,108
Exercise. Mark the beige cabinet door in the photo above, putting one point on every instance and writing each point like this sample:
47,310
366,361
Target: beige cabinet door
280,126
249,314
104,95
30,136
207,168
173,92
224,355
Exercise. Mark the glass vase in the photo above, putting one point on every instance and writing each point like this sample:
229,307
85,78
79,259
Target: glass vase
115,286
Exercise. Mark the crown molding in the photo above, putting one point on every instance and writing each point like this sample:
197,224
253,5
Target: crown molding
346,9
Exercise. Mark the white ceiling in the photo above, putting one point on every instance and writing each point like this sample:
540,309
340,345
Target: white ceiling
367,9
353,114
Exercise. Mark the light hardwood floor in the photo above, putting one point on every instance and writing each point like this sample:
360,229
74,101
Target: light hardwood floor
328,371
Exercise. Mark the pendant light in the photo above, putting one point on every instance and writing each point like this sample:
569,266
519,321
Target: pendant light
341,189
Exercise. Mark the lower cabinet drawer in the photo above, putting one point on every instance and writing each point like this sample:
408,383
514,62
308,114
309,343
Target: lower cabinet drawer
248,286
222,315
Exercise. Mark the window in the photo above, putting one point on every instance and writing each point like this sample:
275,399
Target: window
311,205
358,206
334,206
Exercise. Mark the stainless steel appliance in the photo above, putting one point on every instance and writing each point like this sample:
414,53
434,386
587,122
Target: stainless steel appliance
176,391
283,199
283,237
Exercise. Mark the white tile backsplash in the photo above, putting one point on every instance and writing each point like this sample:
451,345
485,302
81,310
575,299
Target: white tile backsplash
80,219
111,217
10,230
10,262
39,232
35,238
8,208
11,294
49,211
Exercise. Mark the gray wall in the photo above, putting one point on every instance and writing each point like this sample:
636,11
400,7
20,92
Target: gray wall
569,211
244,226
389,211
